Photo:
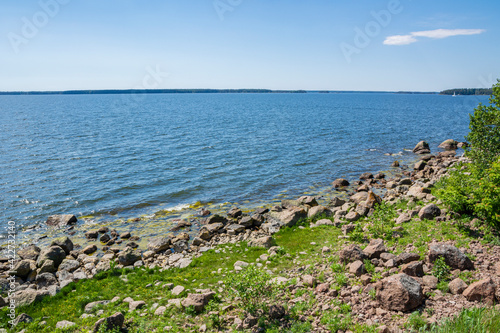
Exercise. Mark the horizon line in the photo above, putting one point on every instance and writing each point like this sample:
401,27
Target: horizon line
196,90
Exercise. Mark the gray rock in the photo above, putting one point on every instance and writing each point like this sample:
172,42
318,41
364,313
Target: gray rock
64,324
90,306
276,312
105,238
54,253
359,197
337,202
159,244
177,290
69,265
449,144
405,258
22,318
234,212
92,234
375,248
340,182
352,216
352,253
265,242
198,301
89,249
357,268
44,280
63,242
110,323
452,256
31,252
399,293
236,228
482,291
136,305
47,267
422,148
429,212
128,256
317,211
26,297
288,217
61,220
430,281
414,268
24,267
457,286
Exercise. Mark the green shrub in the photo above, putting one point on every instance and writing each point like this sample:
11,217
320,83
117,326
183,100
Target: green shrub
484,135
441,270
252,286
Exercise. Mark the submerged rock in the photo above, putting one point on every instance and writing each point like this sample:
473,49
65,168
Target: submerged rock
61,220
422,148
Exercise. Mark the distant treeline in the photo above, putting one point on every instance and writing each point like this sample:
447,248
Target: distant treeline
467,91
147,91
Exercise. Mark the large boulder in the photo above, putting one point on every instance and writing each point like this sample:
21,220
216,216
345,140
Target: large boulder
422,148
317,211
159,244
452,256
340,182
266,242
27,296
197,301
359,197
482,291
61,220
372,200
129,256
24,267
375,248
449,144
308,201
288,217
31,252
114,322
54,253
69,265
44,280
399,292
352,253
429,212
63,242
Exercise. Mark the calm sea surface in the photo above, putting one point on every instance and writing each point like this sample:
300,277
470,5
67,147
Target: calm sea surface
123,155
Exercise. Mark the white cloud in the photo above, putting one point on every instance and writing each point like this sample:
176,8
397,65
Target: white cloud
436,34
400,40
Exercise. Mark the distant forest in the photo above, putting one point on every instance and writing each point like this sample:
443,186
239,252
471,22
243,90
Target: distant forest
467,91
147,91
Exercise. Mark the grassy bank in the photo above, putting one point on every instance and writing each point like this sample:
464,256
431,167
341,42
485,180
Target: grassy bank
301,251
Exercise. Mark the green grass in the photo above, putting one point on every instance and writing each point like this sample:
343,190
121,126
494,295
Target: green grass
214,266
475,320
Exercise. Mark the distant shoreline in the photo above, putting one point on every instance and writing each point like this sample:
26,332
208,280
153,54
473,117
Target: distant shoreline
195,91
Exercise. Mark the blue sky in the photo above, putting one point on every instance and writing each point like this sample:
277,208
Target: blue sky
274,44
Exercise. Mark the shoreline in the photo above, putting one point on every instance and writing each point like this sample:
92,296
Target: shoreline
147,225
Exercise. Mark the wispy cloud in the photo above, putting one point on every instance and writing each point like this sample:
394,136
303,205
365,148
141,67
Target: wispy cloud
436,34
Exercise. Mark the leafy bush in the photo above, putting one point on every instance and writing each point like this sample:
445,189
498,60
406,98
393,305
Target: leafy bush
252,286
474,188
484,135
441,270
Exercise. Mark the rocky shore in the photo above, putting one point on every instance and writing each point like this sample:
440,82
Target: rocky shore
385,286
